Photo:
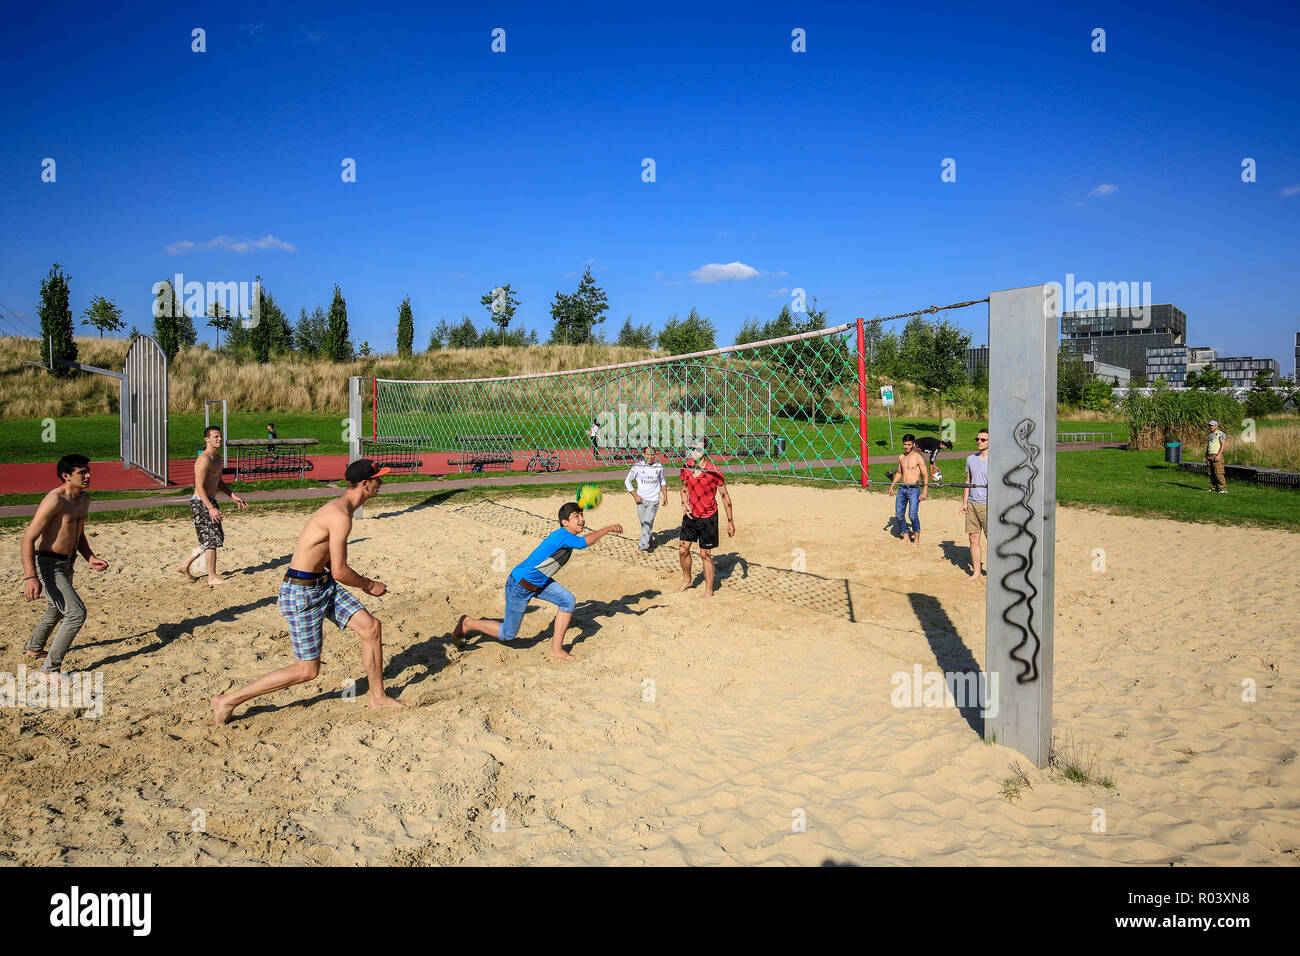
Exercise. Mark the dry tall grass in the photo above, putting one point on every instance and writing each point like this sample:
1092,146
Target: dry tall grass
1276,447
287,384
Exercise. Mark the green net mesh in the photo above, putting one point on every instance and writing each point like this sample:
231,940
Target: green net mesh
787,407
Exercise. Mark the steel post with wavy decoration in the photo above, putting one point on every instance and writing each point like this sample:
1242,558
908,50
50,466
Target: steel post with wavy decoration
1024,329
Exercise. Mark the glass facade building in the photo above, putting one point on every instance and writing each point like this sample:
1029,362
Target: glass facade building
1241,370
1117,339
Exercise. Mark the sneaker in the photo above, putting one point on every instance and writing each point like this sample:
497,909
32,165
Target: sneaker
1223,491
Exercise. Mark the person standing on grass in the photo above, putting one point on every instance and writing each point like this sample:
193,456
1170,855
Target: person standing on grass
534,577
975,501
651,487
203,505
310,593
911,483
1214,459
59,528
701,482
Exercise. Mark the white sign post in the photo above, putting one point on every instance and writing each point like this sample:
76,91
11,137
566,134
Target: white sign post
887,399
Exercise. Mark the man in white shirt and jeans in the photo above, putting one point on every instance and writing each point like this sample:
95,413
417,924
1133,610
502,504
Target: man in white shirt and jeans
647,475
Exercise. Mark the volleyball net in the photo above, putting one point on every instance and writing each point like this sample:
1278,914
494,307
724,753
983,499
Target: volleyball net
795,406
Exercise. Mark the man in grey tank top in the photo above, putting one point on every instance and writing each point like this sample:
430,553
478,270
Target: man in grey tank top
975,501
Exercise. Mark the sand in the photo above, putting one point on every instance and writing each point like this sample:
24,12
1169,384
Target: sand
755,727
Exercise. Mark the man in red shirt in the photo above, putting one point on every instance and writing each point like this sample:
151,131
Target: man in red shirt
701,482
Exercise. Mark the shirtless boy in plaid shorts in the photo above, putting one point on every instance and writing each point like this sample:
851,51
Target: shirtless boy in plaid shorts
311,593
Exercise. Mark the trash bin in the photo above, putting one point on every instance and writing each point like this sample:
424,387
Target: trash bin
1173,452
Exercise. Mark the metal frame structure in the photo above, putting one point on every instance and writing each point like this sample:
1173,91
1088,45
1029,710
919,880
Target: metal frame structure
225,434
142,404
144,407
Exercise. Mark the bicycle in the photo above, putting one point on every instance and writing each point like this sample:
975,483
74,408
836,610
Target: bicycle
543,461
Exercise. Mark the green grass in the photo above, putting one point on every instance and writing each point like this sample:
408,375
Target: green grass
1140,483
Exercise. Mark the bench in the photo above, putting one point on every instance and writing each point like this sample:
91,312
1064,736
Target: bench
758,445
270,457
484,451
396,453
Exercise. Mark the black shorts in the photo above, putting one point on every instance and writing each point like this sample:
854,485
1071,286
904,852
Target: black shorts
703,530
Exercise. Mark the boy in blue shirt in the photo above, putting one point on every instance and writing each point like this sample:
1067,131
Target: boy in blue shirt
533,577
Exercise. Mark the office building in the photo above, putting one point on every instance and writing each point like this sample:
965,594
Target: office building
1241,370
1114,338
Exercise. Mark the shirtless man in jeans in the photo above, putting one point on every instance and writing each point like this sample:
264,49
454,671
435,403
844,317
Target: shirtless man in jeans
60,526
203,505
911,483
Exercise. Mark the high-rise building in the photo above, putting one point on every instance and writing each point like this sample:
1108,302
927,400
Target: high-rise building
1115,336
978,358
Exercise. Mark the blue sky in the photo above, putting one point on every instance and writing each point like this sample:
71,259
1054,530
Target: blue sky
817,170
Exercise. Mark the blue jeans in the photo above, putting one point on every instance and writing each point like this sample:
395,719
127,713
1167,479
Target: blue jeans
906,497
517,601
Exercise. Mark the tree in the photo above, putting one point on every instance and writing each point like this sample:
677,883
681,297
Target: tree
577,314
1137,380
463,335
309,334
186,333
1097,396
103,315
1262,399
56,320
695,333
1071,376
501,304
166,329
338,343
819,364
750,331
364,350
636,336
271,335
219,320
405,328
440,335
933,355
1210,379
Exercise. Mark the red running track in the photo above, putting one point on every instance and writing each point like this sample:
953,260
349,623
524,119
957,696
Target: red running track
27,478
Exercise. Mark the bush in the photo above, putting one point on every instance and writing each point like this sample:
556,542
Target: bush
1185,416
1097,396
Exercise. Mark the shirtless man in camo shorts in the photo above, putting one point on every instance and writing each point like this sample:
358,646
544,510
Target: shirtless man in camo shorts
203,505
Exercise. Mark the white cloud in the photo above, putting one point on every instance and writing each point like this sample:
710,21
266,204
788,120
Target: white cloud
1291,190
1105,189
776,292
717,272
231,244
251,29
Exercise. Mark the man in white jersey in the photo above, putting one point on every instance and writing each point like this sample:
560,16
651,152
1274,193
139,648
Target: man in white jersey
647,485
